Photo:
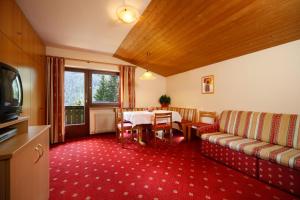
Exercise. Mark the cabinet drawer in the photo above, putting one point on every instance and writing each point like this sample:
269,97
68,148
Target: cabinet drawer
29,170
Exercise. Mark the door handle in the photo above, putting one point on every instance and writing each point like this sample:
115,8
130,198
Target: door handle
36,149
40,150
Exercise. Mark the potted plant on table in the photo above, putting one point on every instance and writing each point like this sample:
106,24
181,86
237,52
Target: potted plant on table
164,101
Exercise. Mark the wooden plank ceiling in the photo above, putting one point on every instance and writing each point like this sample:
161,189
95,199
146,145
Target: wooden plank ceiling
182,35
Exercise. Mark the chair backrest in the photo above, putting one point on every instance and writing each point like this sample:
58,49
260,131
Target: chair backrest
118,116
163,108
187,114
207,117
162,118
138,109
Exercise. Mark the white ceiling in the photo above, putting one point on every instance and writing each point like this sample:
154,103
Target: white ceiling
85,24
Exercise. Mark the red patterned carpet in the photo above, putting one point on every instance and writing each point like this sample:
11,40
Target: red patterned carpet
98,168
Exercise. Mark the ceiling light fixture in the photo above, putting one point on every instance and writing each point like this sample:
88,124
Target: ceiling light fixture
147,75
127,14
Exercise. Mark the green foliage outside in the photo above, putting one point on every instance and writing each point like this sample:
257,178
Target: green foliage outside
107,89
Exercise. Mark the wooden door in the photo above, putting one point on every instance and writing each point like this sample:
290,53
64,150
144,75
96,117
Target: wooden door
76,103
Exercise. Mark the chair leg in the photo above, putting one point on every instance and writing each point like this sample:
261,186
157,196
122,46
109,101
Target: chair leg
132,138
122,138
148,135
118,135
171,136
184,131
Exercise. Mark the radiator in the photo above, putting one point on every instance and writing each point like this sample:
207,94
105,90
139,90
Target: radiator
102,121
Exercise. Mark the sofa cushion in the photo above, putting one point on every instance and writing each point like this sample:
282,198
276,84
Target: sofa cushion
282,155
206,136
237,143
281,129
276,153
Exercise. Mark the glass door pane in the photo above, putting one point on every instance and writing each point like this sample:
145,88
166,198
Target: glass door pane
74,98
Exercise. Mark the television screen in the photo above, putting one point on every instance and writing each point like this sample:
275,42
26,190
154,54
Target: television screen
11,95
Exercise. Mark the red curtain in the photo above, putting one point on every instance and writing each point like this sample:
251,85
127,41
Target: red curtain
127,86
55,98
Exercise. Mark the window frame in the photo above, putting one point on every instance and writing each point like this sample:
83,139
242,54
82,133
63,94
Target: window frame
90,92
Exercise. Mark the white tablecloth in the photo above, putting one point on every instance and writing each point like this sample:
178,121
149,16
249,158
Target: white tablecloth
145,117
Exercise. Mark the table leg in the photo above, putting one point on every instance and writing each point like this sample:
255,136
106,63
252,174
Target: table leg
189,133
171,136
140,135
184,131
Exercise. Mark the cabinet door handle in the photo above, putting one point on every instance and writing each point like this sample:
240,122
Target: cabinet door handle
41,148
38,151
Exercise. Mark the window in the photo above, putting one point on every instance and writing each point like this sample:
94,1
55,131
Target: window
74,88
104,88
74,97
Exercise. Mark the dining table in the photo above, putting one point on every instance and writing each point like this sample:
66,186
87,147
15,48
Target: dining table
142,119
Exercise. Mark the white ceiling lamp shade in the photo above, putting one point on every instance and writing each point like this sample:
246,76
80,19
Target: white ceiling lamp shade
127,14
147,75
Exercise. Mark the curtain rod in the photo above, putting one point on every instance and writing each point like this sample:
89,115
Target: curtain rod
93,61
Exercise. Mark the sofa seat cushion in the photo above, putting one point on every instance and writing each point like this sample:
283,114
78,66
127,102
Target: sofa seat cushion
279,154
285,156
206,136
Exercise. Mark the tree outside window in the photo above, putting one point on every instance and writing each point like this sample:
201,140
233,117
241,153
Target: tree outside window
105,89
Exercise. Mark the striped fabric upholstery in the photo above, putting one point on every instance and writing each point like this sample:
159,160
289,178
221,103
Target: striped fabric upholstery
132,109
206,136
187,114
281,129
282,155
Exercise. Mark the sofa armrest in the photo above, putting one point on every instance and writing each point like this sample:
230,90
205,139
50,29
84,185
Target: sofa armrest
211,128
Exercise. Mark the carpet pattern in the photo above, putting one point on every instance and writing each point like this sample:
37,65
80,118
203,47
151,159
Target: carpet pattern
99,168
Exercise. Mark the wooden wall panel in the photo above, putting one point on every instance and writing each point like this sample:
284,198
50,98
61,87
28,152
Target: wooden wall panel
22,48
183,35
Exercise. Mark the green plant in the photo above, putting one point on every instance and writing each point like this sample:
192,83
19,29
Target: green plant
164,99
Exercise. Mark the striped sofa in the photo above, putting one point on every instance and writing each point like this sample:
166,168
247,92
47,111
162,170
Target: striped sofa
262,145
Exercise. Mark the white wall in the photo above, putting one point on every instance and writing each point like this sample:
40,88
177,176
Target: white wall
267,80
148,92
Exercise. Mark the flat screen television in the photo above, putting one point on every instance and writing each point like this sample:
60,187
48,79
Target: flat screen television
11,93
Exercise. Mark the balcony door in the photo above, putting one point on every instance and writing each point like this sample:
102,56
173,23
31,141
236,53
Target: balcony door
76,103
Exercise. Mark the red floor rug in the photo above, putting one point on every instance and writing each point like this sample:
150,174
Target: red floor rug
99,168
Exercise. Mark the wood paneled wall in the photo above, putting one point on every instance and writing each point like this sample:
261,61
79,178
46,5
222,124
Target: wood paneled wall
21,47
